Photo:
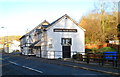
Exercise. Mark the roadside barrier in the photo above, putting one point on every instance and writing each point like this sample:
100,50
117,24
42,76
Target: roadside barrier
102,59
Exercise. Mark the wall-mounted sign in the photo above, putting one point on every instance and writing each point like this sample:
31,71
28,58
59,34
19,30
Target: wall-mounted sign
65,30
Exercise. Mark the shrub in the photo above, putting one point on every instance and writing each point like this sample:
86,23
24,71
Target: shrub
105,49
77,56
94,50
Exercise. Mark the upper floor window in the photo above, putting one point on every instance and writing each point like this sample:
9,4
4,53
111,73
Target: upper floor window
50,46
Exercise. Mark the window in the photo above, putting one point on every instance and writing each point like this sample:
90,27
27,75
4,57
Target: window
66,41
50,45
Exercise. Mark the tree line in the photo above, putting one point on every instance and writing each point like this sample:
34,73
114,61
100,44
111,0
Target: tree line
101,25
9,39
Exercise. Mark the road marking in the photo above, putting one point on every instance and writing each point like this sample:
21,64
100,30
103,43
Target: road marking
14,63
5,64
26,67
1,59
32,69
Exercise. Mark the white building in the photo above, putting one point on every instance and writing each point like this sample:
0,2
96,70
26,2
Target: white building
13,46
59,39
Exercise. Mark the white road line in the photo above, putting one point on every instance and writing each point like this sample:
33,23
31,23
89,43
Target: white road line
14,63
26,67
32,69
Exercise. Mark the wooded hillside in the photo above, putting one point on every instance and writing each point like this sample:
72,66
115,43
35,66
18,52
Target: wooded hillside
93,25
9,38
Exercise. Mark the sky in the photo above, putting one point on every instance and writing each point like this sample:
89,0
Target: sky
19,16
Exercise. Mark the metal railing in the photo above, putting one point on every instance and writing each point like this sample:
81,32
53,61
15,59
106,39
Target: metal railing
98,59
55,54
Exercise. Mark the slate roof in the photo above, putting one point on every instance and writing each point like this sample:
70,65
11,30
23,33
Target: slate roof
61,19
45,26
41,24
51,24
38,30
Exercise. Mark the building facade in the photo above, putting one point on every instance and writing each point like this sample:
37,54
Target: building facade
12,46
59,39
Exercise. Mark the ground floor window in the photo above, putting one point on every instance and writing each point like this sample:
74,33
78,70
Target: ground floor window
50,46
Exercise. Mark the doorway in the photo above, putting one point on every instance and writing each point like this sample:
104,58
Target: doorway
66,47
66,51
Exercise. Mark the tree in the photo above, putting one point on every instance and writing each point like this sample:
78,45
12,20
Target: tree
91,23
9,39
100,24
118,27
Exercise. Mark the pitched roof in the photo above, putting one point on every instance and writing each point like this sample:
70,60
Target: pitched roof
23,36
59,19
44,24
32,45
47,25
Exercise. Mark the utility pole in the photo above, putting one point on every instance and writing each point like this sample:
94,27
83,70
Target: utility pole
5,40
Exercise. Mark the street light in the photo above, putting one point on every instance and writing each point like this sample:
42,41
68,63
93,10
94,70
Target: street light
5,42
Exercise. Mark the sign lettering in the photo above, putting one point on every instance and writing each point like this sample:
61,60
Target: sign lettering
65,30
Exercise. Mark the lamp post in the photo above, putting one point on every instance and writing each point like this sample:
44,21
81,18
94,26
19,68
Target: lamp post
5,42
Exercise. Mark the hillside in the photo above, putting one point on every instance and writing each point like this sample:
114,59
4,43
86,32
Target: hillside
9,38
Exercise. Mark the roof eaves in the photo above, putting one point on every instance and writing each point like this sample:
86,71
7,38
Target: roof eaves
34,29
62,18
56,21
76,23
34,43
22,37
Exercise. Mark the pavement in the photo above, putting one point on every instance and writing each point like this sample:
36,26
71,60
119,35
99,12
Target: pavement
89,68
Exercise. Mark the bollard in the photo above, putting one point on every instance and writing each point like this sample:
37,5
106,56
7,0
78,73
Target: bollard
102,59
116,61
113,60
99,59
87,58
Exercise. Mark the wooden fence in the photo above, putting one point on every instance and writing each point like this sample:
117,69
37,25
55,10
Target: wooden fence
117,47
102,59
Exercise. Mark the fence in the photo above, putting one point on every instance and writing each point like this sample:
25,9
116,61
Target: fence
98,59
102,59
117,47
56,54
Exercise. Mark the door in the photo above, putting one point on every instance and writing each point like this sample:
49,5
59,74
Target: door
66,51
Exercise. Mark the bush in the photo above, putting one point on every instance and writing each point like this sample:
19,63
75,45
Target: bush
94,50
77,56
17,51
105,49
88,50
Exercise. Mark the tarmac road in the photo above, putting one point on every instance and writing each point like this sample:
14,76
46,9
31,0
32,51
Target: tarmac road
23,65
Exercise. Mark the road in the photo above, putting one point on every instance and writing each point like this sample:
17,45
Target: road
23,65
